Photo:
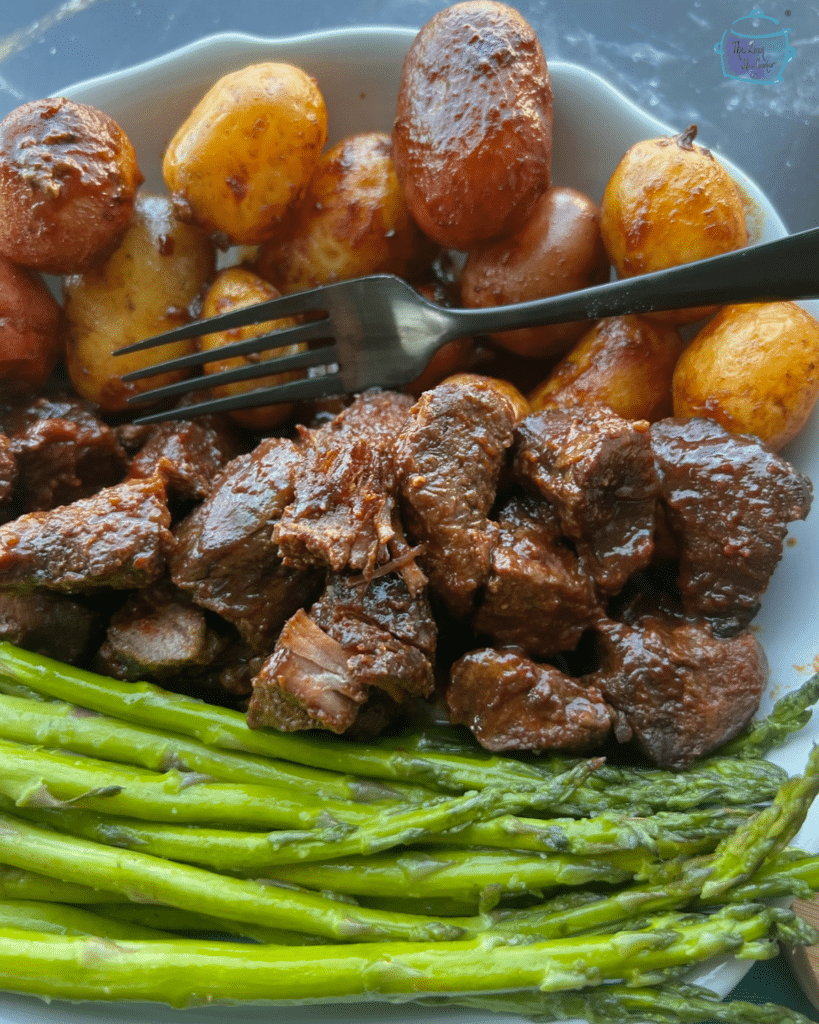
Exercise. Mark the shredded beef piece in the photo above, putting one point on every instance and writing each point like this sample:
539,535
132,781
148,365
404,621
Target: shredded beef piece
512,703
63,452
449,459
8,470
119,538
536,597
225,556
360,634
597,471
159,633
680,691
729,501
57,625
341,514
187,454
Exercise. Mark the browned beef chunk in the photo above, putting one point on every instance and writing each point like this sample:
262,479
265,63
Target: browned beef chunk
729,501
511,703
159,633
225,556
56,625
63,452
8,470
341,514
187,454
536,597
449,459
119,538
597,471
359,635
680,691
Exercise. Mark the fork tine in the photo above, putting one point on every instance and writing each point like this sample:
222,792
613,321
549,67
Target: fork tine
272,309
324,356
291,391
311,331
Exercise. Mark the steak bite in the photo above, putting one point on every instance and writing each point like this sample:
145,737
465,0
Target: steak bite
679,691
119,539
225,556
57,625
341,513
8,470
449,459
729,501
536,597
597,471
512,703
63,452
358,636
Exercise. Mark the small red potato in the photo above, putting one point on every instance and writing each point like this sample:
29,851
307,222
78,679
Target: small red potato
623,362
68,178
472,140
353,221
30,329
558,249
668,202
754,368
243,157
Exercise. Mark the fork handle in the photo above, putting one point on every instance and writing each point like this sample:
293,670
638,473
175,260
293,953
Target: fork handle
787,268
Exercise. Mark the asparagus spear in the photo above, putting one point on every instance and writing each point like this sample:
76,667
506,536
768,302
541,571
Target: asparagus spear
145,704
57,724
191,971
34,916
790,713
22,884
143,878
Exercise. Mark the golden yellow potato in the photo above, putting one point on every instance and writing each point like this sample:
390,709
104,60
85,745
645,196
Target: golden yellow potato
668,202
558,249
244,155
68,178
235,288
753,368
623,362
145,287
353,221
473,128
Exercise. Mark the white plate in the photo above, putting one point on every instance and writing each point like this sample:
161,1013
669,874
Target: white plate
358,72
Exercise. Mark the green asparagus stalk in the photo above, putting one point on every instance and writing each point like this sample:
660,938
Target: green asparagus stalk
617,1004
185,972
57,919
22,884
148,705
56,724
142,878
789,714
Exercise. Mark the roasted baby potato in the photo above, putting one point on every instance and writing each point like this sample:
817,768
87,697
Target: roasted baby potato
30,329
558,249
519,401
668,202
235,288
353,221
623,362
473,131
243,157
754,368
145,287
68,177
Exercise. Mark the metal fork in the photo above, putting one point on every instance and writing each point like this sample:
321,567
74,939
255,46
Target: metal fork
378,331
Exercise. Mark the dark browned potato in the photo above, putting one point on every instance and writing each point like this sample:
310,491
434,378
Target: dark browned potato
68,178
30,329
473,132
754,368
353,221
145,287
623,362
245,153
558,249
235,288
668,202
